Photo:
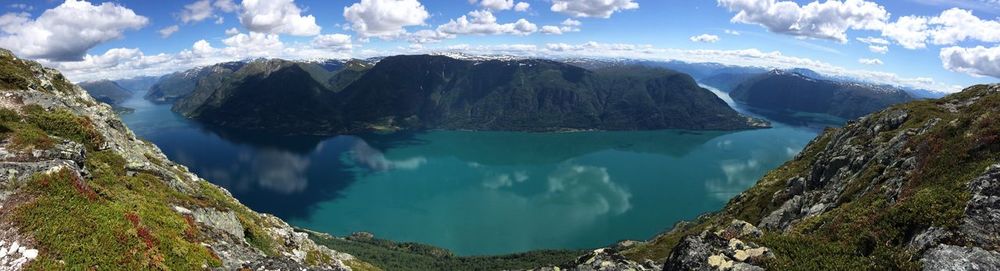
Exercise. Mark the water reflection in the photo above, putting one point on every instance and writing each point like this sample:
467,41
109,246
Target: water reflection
478,192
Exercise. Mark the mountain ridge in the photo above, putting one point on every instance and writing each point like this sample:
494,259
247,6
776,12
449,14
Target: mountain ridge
491,94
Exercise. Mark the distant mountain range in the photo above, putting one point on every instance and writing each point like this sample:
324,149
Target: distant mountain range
792,91
106,91
221,93
442,92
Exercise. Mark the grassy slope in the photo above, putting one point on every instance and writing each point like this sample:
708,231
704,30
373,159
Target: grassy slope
866,231
388,255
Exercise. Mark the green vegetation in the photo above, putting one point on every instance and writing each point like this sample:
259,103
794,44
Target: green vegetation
108,221
438,92
388,255
869,230
65,124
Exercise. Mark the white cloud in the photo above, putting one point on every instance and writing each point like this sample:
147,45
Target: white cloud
879,49
957,25
873,41
277,17
21,6
827,20
977,61
592,8
385,19
951,27
197,11
706,38
167,31
876,45
67,31
494,4
568,25
909,31
226,5
204,9
482,22
870,61
232,31
335,42
522,6
732,32
428,36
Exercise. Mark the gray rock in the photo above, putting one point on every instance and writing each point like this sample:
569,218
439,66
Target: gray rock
955,258
222,221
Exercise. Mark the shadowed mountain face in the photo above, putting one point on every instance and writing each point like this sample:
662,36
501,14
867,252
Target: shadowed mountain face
179,84
138,84
780,90
106,91
437,92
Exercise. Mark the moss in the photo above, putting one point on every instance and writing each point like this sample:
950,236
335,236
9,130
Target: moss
15,74
357,265
65,124
26,137
108,221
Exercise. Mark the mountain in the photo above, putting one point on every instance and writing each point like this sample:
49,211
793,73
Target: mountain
106,91
909,187
79,191
727,82
138,84
177,85
440,92
788,91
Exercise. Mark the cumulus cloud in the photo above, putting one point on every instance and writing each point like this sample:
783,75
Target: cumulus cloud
592,8
827,20
568,25
908,31
277,17
385,19
204,9
66,32
335,42
977,61
706,38
167,31
870,61
957,25
494,4
951,27
482,22
197,11
522,6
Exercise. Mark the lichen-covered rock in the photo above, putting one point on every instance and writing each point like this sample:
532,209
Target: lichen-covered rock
948,258
723,249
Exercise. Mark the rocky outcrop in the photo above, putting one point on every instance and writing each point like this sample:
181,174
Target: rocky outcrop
724,249
605,259
234,235
913,186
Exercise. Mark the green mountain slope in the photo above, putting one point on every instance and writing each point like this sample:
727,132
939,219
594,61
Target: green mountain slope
791,91
79,191
438,92
913,186
106,91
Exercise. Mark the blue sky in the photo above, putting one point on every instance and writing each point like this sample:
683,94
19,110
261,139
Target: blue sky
116,39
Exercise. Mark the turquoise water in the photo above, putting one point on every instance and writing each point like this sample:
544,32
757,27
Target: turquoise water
479,193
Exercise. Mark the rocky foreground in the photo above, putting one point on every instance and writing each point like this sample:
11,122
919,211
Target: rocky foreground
915,186
79,191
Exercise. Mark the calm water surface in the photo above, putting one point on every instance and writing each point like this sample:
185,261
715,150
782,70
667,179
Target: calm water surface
479,193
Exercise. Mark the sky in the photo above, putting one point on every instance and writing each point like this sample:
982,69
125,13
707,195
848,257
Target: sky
942,45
